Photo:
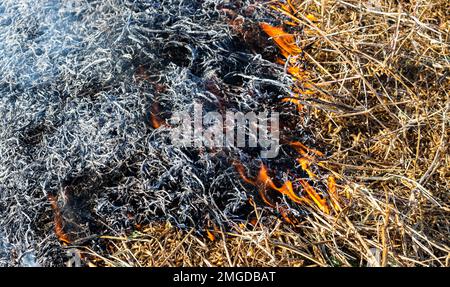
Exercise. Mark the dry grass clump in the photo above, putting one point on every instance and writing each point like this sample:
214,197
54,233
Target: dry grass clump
381,112
269,244
385,71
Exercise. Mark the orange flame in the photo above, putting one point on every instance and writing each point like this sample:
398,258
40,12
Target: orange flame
291,51
302,149
332,190
155,119
292,54
305,163
59,230
285,214
286,189
263,181
210,235
306,160
286,42
320,202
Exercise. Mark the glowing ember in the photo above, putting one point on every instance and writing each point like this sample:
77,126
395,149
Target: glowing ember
155,118
210,235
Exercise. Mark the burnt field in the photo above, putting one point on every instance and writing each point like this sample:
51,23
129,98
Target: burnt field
312,133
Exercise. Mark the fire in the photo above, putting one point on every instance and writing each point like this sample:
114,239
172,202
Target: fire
320,202
303,150
264,183
293,59
286,189
210,235
305,163
59,231
286,42
307,159
286,216
291,51
332,190
155,118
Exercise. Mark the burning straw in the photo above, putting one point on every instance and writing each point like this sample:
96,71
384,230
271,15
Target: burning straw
86,90
86,158
375,94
